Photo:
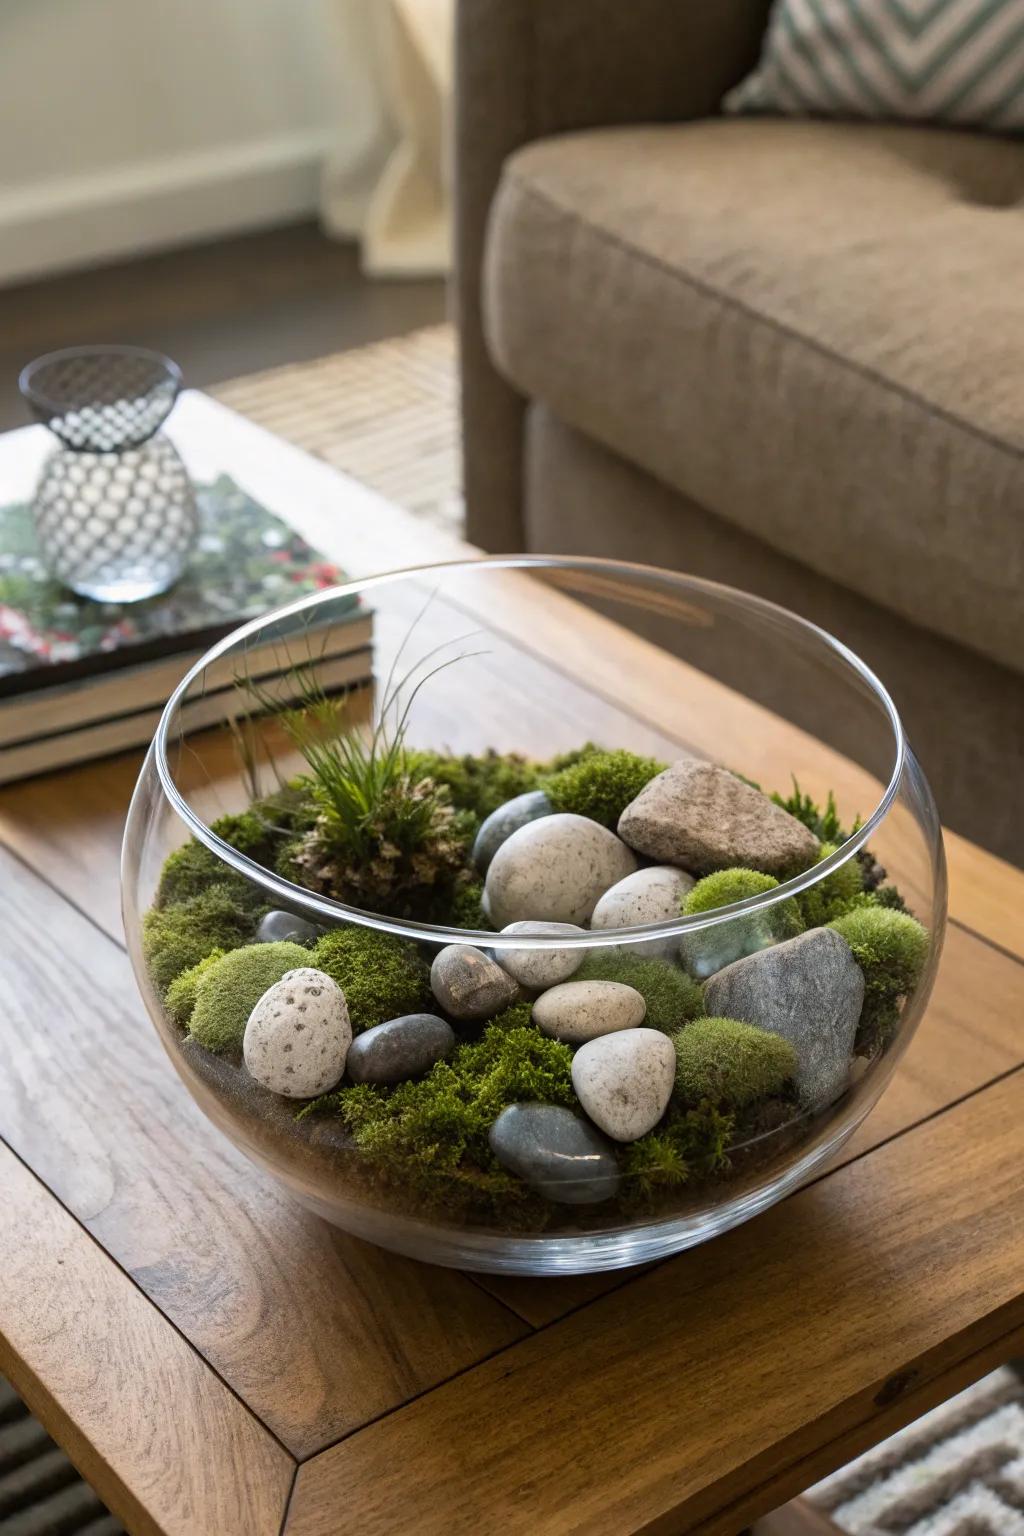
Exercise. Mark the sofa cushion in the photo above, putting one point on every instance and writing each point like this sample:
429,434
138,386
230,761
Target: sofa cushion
815,330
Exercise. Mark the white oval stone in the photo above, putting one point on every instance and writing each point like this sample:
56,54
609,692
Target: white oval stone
653,895
298,1035
581,1010
624,1081
540,968
555,870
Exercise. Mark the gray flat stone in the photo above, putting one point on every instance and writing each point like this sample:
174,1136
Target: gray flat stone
556,1153
809,990
399,1049
508,818
469,984
275,926
704,818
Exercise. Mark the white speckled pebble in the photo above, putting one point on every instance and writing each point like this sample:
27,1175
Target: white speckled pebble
539,968
555,870
298,1035
581,1010
653,895
624,1081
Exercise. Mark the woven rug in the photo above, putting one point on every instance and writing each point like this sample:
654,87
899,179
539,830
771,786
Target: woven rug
387,414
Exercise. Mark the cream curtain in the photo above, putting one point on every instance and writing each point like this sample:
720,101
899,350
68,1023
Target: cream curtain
386,175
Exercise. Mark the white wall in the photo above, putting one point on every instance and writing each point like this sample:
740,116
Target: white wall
132,124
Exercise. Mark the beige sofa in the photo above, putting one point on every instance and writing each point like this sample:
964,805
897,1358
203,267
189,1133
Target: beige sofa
788,355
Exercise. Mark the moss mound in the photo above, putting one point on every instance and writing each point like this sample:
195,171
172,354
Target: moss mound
672,997
891,948
184,989
178,936
382,977
429,1136
188,872
730,1064
478,784
467,910
782,921
229,990
600,784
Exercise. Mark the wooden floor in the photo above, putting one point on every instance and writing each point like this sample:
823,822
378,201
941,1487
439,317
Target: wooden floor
223,309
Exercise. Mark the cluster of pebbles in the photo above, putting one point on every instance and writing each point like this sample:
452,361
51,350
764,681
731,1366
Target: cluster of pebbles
554,876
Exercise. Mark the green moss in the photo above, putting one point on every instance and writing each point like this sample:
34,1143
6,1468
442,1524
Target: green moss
382,977
478,784
690,1144
781,921
178,936
428,1138
229,990
891,948
730,1064
187,872
466,909
672,997
183,990
709,949
839,892
600,784
823,821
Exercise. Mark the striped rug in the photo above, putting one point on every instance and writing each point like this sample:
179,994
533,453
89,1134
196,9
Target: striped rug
939,61
959,1471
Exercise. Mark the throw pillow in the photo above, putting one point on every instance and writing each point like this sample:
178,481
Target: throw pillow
945,61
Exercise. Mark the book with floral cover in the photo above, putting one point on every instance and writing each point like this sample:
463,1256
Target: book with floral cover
80,678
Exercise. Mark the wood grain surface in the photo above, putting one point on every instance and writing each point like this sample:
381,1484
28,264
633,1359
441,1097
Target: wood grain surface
317,1332
689,1392
160,1437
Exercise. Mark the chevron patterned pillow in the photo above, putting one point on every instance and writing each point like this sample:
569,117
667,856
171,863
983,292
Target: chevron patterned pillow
949,61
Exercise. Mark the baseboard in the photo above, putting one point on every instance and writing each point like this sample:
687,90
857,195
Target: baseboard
79,220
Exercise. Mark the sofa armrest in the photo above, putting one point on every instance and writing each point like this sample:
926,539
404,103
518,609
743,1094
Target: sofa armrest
525,69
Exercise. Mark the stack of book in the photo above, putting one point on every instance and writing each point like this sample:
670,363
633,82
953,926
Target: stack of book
80,679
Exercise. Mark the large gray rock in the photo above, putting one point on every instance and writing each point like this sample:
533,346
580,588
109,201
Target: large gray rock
540,968
809,990
581,1010
705,818
469,985
624,1081
651,895
554,870
496,828
399,1049
557,1154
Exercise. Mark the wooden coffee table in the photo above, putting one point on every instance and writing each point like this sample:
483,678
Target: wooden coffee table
219,1363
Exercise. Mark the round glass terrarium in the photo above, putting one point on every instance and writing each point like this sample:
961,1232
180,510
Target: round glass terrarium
341,869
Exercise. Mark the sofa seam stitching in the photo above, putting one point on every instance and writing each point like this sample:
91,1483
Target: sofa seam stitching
729,301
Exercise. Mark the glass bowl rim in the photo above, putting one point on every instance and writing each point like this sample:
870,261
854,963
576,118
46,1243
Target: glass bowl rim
40,400
298,897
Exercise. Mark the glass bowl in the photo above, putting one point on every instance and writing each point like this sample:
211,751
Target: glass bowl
308,858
